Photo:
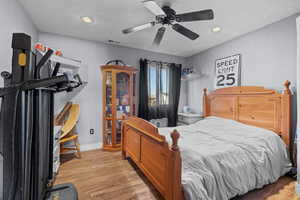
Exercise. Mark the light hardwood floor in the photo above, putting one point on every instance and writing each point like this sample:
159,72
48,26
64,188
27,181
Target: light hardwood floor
100,175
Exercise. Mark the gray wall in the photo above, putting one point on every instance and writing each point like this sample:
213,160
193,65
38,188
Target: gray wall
12,19
95,54
268,59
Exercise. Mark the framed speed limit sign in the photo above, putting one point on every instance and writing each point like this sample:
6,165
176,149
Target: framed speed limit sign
228,72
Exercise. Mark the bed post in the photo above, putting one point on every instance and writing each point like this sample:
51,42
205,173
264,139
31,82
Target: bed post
175,188
205,103
123,140
286,115
175,136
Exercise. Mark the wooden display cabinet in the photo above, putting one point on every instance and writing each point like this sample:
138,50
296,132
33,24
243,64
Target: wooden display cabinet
119,102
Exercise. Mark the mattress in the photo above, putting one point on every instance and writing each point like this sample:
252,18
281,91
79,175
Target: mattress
222,158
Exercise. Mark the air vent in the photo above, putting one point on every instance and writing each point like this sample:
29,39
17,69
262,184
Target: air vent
113,42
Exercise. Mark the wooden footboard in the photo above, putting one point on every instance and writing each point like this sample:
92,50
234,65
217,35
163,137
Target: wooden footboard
150,151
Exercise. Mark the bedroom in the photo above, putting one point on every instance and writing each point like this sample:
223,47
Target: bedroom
261,35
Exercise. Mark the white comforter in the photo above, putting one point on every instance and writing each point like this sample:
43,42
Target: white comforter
223,158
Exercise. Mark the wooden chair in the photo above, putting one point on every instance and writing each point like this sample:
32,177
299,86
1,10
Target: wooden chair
68,130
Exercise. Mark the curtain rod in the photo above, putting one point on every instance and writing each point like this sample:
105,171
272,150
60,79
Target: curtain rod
159,62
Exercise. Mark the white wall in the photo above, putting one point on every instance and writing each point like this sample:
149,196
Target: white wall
94,55
13,19
268,59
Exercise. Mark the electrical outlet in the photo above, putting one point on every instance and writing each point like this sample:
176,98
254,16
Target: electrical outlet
92,131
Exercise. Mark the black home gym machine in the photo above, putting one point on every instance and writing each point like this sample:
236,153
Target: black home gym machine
26,124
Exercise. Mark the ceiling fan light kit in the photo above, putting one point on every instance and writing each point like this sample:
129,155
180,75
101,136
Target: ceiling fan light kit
166,16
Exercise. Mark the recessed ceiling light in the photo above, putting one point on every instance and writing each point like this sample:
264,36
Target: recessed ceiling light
87,20
216,29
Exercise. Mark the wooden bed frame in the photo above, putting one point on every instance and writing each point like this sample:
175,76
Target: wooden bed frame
161,163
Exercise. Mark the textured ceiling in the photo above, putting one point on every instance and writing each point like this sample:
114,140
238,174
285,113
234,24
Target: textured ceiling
236,17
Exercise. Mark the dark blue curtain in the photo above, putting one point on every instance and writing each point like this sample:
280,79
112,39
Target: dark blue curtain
174,93
143,90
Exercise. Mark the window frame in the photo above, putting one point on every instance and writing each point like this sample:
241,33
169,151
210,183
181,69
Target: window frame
158,76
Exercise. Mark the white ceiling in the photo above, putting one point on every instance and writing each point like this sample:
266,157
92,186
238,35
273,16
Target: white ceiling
236,17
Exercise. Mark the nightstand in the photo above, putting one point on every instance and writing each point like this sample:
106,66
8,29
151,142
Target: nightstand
188,118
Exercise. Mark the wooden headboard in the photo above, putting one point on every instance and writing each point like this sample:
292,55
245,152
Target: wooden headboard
253,106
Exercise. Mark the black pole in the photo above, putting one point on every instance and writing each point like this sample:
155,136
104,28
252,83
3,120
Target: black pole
13,126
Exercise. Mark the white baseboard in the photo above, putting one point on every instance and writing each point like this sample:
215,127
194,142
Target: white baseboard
297,187
88,147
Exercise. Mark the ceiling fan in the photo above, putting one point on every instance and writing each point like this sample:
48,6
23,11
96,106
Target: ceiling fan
167,16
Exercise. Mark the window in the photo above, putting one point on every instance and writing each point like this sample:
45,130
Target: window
158,84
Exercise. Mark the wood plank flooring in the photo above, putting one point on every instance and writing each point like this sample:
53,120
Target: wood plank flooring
100,175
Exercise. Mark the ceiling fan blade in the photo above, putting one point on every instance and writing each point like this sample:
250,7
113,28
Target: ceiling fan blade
184,31
139,28
154,8
159,36
195,16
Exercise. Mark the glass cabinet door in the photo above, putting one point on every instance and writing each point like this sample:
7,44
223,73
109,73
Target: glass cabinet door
108,132
108,92
118,131
123,101
107,126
